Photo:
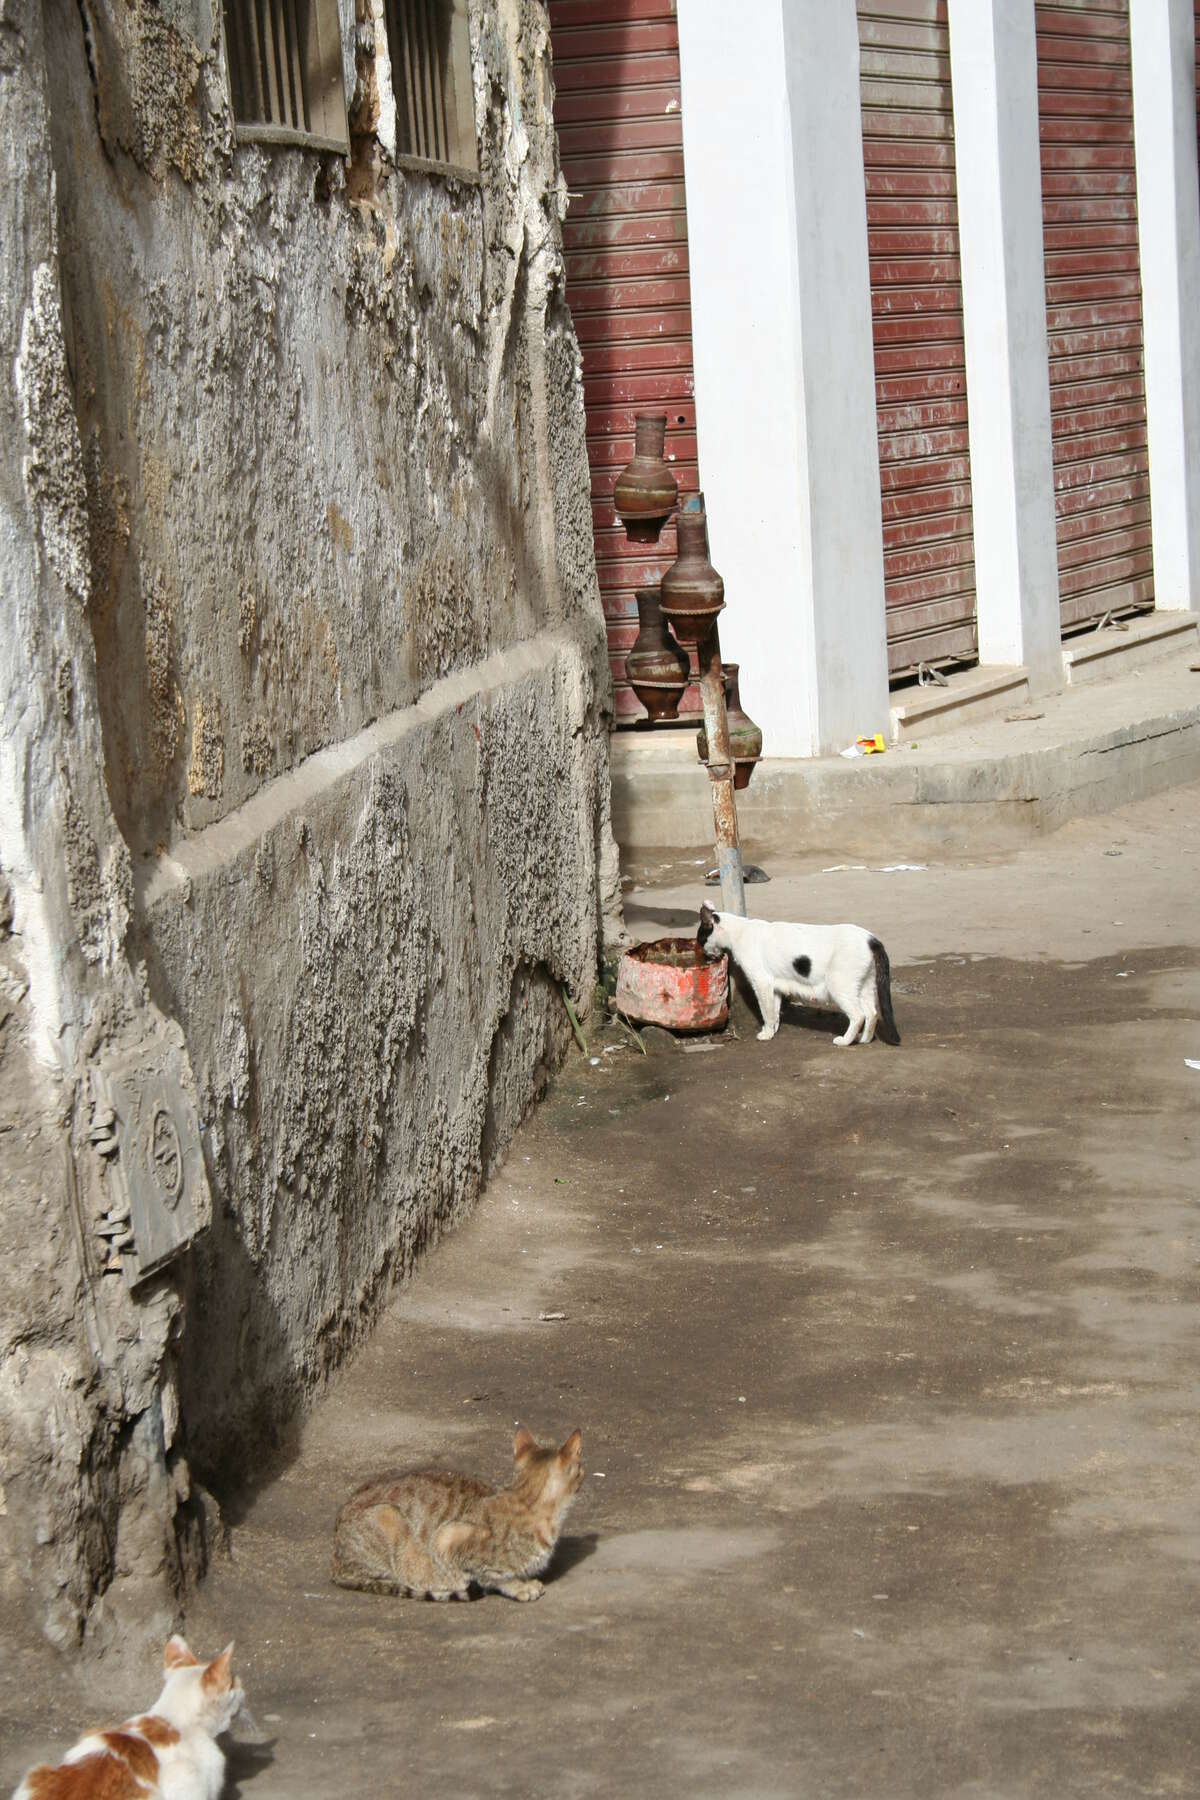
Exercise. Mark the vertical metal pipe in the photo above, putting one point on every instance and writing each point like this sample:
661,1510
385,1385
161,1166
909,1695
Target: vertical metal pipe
720,759
720,773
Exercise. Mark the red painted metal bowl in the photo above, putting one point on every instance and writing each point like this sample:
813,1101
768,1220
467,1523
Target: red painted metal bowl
671,982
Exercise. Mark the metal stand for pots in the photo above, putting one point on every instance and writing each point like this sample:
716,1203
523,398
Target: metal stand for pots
706,638
720,774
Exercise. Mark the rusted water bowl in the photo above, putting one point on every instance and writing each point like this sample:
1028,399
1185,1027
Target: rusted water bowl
671,982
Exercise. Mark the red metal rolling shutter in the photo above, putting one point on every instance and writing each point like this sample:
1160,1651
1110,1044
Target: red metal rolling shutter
1094,309
916,302
616,77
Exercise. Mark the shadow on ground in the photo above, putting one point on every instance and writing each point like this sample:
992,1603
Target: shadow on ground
885,1362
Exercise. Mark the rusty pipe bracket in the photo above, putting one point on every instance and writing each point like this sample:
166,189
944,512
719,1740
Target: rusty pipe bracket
721,775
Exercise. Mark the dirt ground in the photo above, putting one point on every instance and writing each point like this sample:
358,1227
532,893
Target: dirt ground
886,1364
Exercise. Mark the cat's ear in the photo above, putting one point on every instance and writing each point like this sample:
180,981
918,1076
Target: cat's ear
523,1443
707,914
449,1538
217,1674
177,1655
570,1450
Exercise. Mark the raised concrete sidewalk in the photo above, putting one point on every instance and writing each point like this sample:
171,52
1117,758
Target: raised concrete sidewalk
1081,751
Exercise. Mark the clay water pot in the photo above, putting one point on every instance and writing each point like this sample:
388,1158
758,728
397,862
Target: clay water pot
692,591
657,668
745,737
645,492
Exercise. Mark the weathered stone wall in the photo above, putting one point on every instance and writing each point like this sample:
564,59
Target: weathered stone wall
94,1486
317,431
305,703
383,1013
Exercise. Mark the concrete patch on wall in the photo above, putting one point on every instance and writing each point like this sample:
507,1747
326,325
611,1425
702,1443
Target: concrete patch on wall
101,1529
146,63
53,477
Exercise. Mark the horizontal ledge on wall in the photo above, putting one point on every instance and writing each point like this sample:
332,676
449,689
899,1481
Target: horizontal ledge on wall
422,165
283,137
226,839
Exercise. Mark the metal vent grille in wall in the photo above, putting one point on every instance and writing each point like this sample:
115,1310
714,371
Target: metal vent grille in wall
285,72
430,51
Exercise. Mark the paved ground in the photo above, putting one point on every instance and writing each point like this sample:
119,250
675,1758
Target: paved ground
886,1364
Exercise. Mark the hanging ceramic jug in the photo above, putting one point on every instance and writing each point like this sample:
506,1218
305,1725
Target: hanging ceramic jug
745,737
657,668
645,492
692,591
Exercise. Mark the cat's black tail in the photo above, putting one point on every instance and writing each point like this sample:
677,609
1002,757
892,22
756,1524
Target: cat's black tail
886,1028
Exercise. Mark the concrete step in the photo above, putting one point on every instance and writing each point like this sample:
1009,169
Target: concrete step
965,698
986,785
1132,644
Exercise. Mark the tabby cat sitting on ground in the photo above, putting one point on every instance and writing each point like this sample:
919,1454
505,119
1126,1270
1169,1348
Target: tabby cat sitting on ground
433,1532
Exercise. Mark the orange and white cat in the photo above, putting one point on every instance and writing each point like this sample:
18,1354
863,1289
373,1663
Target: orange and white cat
168,1751
432,1532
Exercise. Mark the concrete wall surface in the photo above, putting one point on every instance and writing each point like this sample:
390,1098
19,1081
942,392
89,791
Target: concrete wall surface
304,801
1163,42
785,384
784,319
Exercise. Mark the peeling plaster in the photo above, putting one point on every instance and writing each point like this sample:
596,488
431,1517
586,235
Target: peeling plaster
52,464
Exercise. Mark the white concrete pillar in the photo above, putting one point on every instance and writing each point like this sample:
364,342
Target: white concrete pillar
1164,131
993,66
785,390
